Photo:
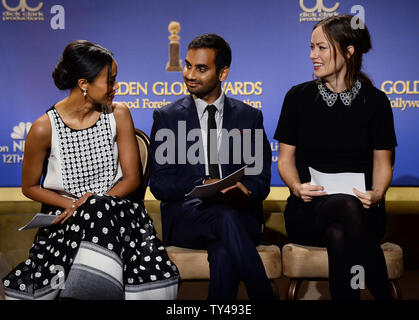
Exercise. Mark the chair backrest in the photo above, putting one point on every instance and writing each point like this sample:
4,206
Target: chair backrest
143,146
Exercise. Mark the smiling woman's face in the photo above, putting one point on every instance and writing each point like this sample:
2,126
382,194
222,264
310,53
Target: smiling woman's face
325,66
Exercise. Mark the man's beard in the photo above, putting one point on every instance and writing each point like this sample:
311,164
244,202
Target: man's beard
203,91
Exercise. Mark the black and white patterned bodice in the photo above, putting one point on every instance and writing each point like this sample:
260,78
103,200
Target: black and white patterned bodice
87,162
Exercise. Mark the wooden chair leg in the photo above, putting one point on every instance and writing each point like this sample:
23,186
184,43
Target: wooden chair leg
291,289
395,290
287,288
275,285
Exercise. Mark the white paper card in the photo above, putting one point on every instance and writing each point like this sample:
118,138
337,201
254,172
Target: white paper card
209,190
39,220
342,182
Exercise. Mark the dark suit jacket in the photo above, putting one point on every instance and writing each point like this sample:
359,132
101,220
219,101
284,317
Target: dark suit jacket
170,182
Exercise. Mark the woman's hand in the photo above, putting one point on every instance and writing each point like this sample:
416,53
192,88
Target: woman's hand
307,191
381,179
289,174
68,212
370,198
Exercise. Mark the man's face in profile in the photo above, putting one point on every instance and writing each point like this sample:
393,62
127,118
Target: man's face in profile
200,73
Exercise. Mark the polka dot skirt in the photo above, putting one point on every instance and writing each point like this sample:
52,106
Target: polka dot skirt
116,225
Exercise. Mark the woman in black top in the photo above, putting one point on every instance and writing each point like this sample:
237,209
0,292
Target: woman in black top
339,123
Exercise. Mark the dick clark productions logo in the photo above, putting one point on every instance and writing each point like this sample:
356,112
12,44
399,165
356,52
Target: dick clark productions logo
310,14
22,12
22,6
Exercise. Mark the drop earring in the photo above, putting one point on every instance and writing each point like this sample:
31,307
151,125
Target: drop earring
84,92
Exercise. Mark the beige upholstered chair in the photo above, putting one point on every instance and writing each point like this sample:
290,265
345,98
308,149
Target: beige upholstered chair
193,264
143,145
312,263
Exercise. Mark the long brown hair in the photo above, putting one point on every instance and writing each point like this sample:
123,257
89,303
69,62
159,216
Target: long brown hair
340,34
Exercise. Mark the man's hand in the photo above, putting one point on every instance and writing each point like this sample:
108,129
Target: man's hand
239,186
209,181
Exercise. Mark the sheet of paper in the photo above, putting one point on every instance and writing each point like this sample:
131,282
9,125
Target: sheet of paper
38,221
342,182
209,190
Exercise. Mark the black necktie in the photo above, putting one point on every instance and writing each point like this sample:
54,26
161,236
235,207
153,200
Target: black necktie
213,167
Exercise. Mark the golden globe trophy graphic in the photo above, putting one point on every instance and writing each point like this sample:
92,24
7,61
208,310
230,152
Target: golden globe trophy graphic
174,64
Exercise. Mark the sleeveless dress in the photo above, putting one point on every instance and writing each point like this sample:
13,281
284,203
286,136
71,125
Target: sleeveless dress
109,248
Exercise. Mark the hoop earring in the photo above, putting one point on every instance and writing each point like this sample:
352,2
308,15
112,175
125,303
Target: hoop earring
84,92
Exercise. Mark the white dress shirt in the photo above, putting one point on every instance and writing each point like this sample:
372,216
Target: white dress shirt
203,120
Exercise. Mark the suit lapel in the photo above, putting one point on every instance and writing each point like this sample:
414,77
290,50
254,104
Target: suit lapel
228,115
191,114
228,124
192,122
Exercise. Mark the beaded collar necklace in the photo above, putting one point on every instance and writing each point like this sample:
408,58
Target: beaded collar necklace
346,96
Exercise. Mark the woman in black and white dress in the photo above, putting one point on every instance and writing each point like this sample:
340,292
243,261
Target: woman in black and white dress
102,244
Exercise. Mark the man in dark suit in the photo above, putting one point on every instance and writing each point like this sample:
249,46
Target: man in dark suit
184,155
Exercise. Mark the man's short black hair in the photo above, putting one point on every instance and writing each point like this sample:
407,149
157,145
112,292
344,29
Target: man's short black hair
213,41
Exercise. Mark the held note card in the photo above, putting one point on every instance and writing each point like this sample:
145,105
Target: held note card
342,182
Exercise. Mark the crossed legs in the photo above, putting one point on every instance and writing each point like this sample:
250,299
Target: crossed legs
350,235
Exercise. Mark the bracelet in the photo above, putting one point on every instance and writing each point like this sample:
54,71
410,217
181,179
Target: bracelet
74,204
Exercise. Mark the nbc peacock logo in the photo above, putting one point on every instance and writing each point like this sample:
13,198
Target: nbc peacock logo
15,154
21,130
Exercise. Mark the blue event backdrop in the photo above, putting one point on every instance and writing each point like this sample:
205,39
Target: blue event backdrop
270,42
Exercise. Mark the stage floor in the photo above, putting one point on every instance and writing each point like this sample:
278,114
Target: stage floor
314,290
